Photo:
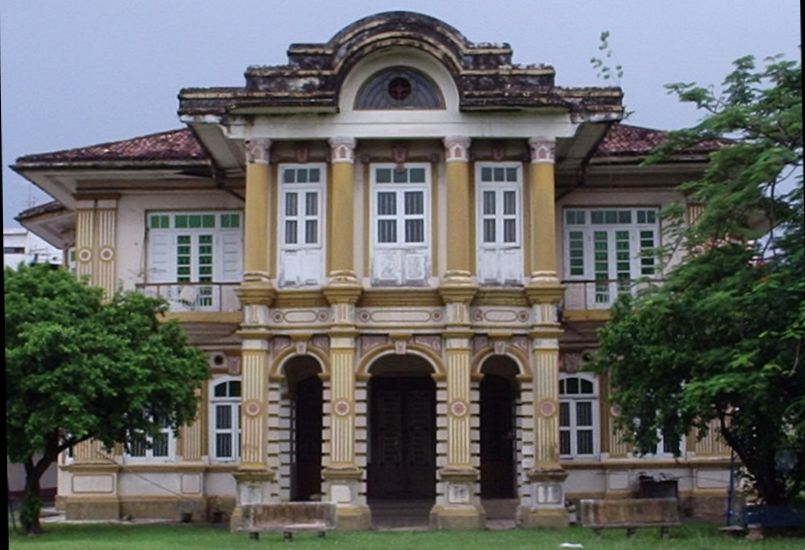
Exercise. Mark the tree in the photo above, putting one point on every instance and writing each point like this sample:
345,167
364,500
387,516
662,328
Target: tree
721,340
80,368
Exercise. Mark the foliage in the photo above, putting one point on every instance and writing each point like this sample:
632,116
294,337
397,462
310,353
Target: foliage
722,339
78,367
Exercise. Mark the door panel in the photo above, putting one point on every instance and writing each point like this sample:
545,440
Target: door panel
307,471
497,440
403,438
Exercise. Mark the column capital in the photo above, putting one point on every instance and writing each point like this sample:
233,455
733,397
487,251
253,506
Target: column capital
457,148
257,150
542,150
342,149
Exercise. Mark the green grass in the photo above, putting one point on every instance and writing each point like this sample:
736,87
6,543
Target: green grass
169,537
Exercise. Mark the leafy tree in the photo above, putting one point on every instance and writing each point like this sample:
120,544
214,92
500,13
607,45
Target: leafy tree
78,367
722,338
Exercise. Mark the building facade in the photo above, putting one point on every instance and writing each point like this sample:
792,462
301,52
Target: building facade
395,250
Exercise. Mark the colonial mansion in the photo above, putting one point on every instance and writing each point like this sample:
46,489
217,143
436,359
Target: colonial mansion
396,251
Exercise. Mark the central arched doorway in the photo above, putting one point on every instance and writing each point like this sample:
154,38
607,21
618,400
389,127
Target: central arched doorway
498,430
402,430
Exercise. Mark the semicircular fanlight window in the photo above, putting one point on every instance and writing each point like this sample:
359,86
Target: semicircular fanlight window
399,88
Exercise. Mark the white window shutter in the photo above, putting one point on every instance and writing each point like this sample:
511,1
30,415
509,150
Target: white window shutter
231,256
161,257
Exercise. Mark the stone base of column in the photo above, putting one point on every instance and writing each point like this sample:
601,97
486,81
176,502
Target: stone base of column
459,508
350,517
342,487
547,506
253,489
457,516
550,518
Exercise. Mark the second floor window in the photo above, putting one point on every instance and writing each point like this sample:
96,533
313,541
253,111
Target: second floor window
610,248
401,223
500,257
301,224
188,249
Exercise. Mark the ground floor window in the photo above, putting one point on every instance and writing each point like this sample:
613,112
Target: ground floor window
578,416
225,419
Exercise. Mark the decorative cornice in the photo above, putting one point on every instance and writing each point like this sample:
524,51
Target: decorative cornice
342,150
257,151
543,150
457,149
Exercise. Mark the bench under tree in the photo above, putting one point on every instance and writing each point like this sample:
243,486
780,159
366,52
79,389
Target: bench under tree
630,514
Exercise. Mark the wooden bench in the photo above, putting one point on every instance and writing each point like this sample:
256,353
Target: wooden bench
287,518
630,514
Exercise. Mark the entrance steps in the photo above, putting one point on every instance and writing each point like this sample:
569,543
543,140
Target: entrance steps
402,515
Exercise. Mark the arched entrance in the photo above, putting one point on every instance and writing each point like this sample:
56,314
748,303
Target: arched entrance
498,429
305,393
402,429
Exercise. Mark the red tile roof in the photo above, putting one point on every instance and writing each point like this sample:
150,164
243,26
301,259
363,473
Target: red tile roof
626,140
181,145
175,145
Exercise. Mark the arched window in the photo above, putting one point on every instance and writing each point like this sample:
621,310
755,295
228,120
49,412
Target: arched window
399,88
578,416
225,419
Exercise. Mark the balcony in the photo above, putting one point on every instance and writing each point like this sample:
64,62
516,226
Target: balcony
599,295
195,297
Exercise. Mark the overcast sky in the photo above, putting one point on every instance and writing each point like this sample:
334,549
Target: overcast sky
81,72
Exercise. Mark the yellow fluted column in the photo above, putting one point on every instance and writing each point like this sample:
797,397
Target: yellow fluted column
457,506
343,477
459,210
547,506
255,479
258,219
342,208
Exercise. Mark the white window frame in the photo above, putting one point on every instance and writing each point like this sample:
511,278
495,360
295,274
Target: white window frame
571,400
589,229
499,188
660,452
301,189
301,218
234,403
499,249
149,449
194,233
400,217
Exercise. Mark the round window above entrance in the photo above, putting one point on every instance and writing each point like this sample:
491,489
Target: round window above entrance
399,88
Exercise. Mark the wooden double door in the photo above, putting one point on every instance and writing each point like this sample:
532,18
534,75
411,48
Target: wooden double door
402,422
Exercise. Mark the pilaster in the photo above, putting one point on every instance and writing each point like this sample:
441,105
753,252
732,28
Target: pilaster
258,219
457,506
543,212
459,210
343,478
341,268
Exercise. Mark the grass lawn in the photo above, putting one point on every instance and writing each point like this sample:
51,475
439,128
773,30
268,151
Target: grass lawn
169,537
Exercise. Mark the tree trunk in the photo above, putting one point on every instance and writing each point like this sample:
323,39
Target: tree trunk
31,503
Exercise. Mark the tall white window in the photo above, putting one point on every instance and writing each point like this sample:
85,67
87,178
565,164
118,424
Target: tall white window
225,419
578,416
401,224
190,253
160,447
301,231
499,211
609,248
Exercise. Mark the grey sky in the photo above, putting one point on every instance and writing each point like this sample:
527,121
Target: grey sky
88,71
